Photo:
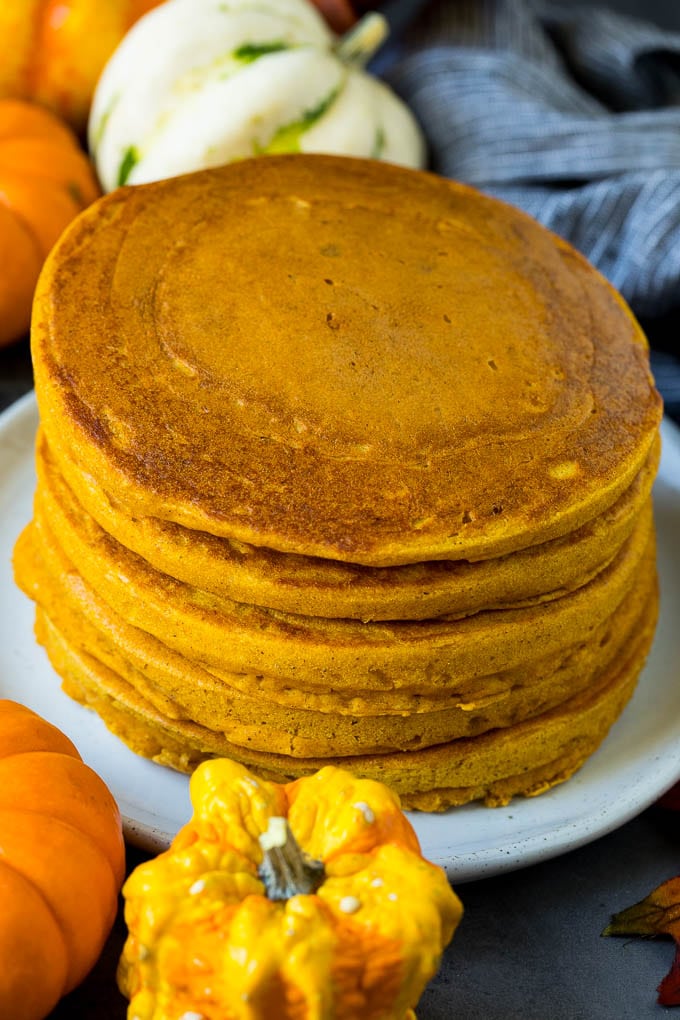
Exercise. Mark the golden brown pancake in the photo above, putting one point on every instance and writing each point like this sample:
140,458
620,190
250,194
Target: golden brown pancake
329,588
528,758
340,358
180,690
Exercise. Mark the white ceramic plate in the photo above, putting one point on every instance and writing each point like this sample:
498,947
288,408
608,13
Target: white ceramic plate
639,760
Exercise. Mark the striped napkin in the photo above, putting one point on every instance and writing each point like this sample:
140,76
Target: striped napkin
570,112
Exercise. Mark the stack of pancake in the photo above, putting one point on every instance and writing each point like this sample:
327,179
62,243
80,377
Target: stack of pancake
341,462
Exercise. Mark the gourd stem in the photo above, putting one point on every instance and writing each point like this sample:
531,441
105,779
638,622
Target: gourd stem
285,869
357,46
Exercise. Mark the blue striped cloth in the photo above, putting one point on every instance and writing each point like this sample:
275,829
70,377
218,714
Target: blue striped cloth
569,112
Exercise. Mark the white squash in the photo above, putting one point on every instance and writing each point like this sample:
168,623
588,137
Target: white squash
198,83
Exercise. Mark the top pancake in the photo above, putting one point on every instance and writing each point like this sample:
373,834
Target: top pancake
340,358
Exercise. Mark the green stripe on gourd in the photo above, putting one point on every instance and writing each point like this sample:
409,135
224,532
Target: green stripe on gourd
287,138
129,161
379,143
250,52
354,49
98,132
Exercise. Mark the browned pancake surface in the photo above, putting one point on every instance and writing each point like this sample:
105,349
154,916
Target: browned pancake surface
340,358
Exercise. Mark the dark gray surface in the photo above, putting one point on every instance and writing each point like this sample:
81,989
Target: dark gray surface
530,947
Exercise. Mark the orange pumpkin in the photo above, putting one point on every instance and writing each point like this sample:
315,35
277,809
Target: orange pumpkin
53,51
62,862
45,181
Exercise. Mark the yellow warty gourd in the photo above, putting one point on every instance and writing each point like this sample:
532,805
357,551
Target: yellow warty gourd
306,900
199,83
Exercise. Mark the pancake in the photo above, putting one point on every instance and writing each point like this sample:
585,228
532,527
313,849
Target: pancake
180,690
341,463
331,589
311,653
527,759
48,577
341,359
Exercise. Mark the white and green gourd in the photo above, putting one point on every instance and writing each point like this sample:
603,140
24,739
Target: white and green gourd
199,83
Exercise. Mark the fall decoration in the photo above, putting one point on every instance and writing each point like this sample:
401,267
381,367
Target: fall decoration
656,914
53,51
195,85
305,899
45,181
62,862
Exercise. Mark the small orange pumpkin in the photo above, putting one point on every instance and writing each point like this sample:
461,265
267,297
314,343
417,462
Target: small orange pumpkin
53,51
62,862
45,181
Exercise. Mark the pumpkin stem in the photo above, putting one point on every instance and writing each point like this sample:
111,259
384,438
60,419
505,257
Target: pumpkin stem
357,46
286,870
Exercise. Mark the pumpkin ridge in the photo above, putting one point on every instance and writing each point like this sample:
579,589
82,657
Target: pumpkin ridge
28,228
5,863
25,226
82,835
84,931
32,727
33,750
88,789
33,950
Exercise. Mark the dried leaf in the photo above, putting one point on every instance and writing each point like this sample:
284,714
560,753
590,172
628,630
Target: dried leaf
657,914
669,989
